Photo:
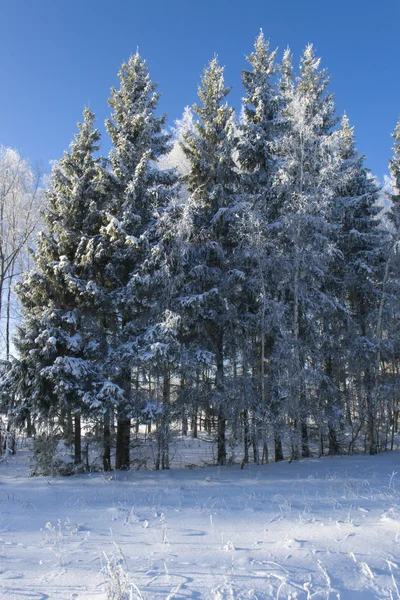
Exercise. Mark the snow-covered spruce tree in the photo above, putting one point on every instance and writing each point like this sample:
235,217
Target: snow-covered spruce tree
388,334
304,185
258,132
358,272
162,351
259,127
171,339
56,342
135,188
394,167
211,282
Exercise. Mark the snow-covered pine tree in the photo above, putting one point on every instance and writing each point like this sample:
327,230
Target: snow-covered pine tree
211,281
388,334
358,273
259,126
257,134
171,339
135,188
56,342
304,185
394,167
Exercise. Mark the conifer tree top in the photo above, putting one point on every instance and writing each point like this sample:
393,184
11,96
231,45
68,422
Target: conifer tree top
394,167
312,84
259,88
261,59
208,145
287,67
346,147
133,127
72,180
394,164
211,91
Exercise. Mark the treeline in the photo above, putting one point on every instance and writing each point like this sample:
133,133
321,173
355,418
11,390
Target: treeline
254,292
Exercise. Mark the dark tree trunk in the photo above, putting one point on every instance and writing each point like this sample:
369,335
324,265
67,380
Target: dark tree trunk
320,442
246,440
254,440
106,442
77,440
166,417
122,459
305,450
66,423
294,455
371,413
185,425
194,423
184,421
264,458
219,384
123,443
333,444
278,448
221,456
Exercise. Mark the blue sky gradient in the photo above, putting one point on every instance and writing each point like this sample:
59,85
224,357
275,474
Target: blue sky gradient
56,57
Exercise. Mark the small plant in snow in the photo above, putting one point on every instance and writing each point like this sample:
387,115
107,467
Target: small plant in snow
118,586
391,480
164,537
365,570
52,536
45,461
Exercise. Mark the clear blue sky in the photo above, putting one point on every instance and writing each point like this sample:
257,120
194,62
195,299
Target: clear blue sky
58,56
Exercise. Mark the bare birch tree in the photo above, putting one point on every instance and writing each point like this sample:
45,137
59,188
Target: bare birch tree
20,197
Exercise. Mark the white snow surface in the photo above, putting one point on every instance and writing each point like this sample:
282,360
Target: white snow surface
325,528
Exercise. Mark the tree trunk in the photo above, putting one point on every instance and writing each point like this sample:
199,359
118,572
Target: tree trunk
122,459
221,433
67,426
8,311
246,436
264,458
123,443
10,440
219,384
320,442
185,424
106,442
295,455
29,427
305,450
194,423
333,444
278,448
166,416
77,440
254,440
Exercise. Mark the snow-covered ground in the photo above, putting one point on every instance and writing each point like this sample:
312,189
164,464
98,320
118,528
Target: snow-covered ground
318,528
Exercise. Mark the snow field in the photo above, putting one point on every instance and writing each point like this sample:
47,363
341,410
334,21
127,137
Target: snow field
315,529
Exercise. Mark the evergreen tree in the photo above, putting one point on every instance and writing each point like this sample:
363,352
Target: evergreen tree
304,184
260,126
135,187
394,167
211,281
388,335
57,340
258,133
356,273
